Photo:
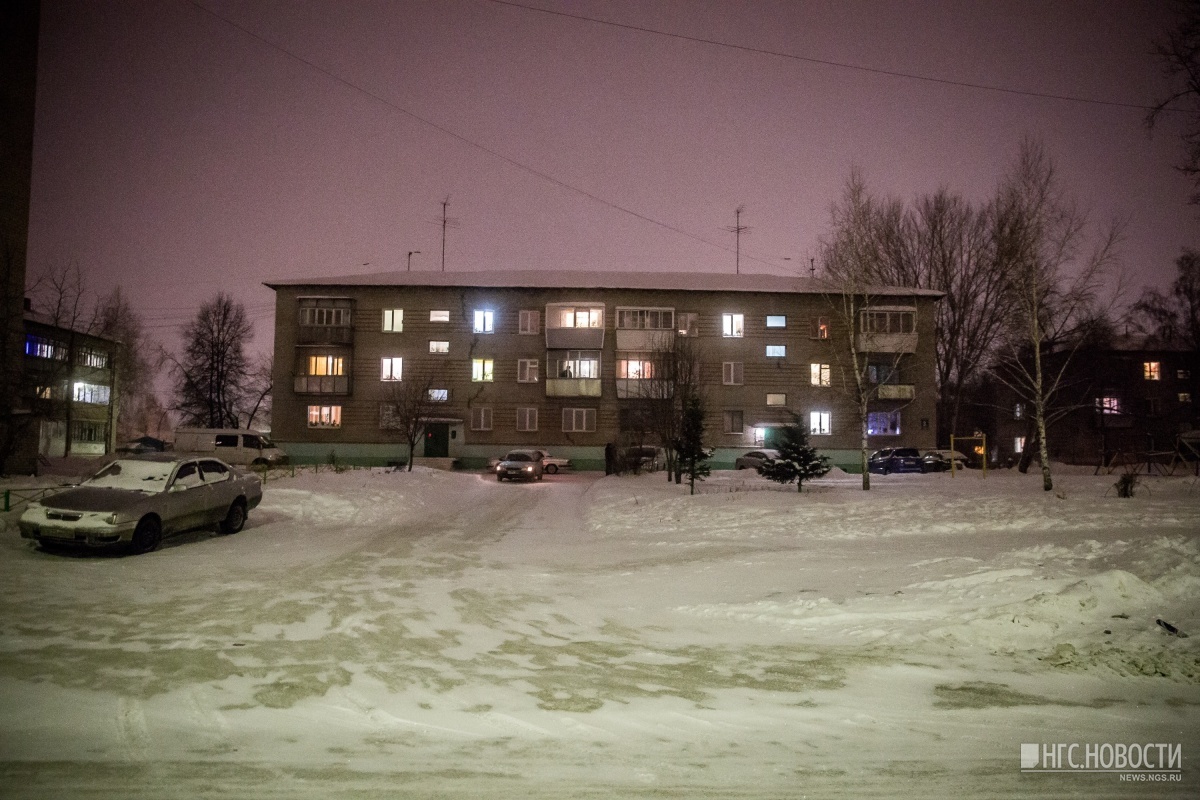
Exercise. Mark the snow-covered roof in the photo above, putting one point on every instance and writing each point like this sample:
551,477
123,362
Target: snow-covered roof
562,279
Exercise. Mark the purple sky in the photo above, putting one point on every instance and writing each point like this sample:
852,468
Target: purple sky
179,154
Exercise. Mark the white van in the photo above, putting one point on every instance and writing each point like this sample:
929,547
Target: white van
232,445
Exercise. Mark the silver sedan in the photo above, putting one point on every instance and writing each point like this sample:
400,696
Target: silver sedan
134,502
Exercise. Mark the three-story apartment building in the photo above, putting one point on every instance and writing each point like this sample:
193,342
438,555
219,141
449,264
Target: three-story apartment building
570,361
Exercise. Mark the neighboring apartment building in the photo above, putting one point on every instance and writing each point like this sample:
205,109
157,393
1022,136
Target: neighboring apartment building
563,360
68,396
1125,400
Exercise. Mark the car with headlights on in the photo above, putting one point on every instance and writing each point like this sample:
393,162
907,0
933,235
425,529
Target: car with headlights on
133,502
520,465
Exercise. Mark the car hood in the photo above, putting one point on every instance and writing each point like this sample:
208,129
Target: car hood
91,498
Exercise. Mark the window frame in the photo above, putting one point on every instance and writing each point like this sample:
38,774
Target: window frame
324,416
439,315
733,325
776,399
393,320
820,423
481,418
524,367
529,322
779,323
588,418
524,416
445,348
484,321
483,370
391,369
729,416
733,373
820,375
776,351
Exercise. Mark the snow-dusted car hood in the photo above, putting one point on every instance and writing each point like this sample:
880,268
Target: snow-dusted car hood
90,498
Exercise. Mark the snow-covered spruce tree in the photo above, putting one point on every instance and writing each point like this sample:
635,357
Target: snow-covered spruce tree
798,460
693,455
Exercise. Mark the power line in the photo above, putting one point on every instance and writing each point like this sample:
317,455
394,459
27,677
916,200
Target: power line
839,64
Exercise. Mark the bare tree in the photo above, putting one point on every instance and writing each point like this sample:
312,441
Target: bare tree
1179,53
1054,288
212,375
407,405
134,367
1174,318
257,396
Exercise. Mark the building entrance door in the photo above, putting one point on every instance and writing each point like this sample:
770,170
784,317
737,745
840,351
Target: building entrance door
437,440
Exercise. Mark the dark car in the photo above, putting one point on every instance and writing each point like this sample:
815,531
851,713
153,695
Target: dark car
645,458
896,459
754,459
520,465
941,460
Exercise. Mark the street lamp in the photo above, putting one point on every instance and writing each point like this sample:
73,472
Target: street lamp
411,253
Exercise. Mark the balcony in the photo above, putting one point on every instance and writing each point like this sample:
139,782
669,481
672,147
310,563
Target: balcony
642,389
324,334
321,384
645,341
896,391
573,387
886,343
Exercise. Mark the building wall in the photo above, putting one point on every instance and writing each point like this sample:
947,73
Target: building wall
360,437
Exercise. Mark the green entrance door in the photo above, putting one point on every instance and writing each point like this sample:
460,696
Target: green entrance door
437,440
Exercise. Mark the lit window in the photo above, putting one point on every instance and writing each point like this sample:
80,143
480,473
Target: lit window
324,416
527,370
439,316
481,369
776,399
734,422
776,321
819,374
529,322
578,364
484,321
733,325
393,320
439,395
91,393
481,418
776,351
1019,444
689,323
1152,370
572,317
1108,405
527,419
883,423
820,328
818,423
731,373
579,420
635,367
326,365
391,369
439,347
1185,397
88,357
45,348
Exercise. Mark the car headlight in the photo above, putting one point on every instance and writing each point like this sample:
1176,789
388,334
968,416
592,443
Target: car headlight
529,469
110,519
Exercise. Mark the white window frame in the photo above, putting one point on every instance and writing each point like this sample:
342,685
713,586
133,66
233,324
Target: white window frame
645,318
483,370
439,346
635,366
776,320
819,375
391,368
481,418
776,399
393,320
873,428
529,322
733,326
819,423
326,366
439,395
527,419
579,420
729,418
93,393
485,321
527,370
439,315
732,373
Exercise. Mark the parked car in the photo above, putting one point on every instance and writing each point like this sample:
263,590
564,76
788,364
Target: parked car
644,458
895,459
232,445
939,460
754,459
137,500
552,465
520,465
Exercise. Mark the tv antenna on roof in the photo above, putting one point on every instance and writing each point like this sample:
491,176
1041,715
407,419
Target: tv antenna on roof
737,229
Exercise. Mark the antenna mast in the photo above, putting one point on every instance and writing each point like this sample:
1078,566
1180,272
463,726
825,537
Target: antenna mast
737,229
446,222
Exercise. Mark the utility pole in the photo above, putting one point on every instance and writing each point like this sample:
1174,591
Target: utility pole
737,229
412,253
446,222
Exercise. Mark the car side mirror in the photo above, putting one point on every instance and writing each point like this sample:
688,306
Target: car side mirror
178,487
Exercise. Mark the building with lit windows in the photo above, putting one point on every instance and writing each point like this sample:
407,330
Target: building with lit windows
570,361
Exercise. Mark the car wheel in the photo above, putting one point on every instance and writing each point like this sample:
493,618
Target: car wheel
235,519
499,478
552,468
259,462
539,477
146,536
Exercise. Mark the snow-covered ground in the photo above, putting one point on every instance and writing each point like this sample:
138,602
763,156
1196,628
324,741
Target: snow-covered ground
433,634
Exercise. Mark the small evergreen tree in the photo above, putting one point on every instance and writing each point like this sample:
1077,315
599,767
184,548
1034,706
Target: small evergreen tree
693,455
798,460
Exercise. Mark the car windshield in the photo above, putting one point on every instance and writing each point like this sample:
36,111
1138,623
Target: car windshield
518,457
907,452
141,476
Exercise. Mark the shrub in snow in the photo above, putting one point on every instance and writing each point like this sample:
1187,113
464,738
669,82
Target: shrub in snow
798,460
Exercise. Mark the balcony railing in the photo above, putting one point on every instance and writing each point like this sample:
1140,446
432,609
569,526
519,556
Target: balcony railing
897,391
321,384
324,334
886,342
573,387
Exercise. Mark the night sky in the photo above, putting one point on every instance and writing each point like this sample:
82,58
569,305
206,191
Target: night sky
185,148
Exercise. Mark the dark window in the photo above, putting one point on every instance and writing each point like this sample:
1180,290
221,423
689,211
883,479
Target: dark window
227,440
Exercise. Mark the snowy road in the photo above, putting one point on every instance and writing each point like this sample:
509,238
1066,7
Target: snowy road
432,634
